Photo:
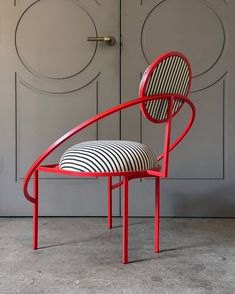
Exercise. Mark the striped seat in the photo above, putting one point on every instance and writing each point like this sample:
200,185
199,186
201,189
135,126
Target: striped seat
108,156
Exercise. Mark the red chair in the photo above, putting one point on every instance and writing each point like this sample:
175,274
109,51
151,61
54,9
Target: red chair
163,92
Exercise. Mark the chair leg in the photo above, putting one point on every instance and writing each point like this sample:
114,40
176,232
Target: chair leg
125,221
35,212
110,202
156,217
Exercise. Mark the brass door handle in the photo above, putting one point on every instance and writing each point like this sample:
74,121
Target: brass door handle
108,40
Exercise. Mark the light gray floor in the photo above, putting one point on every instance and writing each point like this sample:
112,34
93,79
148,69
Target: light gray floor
80,255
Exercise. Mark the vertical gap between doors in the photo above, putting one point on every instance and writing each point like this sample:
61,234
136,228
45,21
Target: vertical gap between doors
120,92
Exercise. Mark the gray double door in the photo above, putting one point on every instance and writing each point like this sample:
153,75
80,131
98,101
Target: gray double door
52,78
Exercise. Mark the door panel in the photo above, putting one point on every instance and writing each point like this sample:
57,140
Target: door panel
54,79
31,108
200,167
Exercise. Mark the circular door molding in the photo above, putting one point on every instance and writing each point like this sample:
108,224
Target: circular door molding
50,39
196,30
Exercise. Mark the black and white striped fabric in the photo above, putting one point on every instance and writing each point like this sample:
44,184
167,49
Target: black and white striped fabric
108,156
171,76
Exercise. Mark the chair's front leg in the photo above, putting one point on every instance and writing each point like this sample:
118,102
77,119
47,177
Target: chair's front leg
156,214
35,211
110,202
125,221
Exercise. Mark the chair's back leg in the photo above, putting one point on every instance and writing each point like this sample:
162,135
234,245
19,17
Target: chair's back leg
110,202
156,215
125,221
35,212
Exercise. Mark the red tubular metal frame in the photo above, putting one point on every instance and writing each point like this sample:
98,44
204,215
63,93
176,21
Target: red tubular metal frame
54,168
159,171
156,214
35,211
110,214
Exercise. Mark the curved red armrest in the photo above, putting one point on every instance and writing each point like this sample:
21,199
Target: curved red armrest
185,131
97,117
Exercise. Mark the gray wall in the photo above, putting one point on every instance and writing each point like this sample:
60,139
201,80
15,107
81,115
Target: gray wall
52,79
201,180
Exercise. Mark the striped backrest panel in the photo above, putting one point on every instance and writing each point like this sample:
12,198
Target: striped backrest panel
168,74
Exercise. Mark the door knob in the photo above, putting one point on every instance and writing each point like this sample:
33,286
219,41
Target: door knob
108,40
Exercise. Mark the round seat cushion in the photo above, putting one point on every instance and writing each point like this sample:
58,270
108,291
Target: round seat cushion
108,156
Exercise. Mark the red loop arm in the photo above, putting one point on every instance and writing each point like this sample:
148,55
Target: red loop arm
186,129
94,119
